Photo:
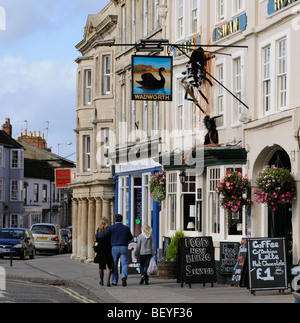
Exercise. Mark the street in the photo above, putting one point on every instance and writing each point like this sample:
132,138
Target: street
29,292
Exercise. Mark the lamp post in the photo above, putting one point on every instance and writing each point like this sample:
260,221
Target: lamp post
67,143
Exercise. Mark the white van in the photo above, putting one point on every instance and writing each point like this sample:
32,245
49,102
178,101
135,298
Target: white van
47,237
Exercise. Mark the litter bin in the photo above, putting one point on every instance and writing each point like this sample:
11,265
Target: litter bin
296,284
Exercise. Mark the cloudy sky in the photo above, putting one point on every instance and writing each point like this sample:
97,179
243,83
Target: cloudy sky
37,68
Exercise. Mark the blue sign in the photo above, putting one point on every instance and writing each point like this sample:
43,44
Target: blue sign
277,5
231,27
188,43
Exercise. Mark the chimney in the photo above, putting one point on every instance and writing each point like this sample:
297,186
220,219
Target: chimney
7,127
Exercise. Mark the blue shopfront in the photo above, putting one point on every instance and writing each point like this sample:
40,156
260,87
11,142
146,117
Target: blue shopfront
132,196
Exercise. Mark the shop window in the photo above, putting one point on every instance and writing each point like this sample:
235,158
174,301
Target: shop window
124,198
189,202
213,204
172,199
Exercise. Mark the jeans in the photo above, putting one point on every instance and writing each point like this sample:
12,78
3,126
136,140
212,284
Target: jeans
144,265
119,252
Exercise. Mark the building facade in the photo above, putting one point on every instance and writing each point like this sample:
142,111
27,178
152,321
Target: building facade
93,191
11,179
253,45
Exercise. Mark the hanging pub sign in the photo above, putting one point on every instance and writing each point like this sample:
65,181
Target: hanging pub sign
230,27
267,264
152,78
277,5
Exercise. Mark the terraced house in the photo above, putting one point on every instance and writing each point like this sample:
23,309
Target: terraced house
252,49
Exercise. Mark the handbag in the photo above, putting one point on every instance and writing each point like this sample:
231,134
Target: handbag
152,269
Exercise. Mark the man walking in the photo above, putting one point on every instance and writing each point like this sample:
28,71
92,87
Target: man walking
120,236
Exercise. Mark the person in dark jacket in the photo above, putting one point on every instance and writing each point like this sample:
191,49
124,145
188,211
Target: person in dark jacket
104,256
120,236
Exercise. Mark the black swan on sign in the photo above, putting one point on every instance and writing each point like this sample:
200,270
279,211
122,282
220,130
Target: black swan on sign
152,83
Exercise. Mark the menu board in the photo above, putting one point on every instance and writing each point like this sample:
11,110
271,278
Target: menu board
228,257
197,260
267,264
239,270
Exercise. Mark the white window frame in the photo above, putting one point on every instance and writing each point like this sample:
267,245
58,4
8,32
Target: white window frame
237,82
238,6
147,201
220,100
266,79
194,16
16,189
87,153
156,14
106,74
17,163
145,18
87,87
179,115
173,199
179,24
133,19
281,73
220,10
123,200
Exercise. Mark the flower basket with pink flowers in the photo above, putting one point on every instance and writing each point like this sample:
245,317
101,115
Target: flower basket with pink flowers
234,190
276,187
158,186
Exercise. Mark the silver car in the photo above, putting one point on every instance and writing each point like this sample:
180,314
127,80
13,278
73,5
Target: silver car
47,237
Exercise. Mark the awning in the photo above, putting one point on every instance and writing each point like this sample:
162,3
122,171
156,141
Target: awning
210,156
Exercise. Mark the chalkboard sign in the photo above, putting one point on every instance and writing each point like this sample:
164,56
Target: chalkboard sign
197,260
228,257
267,264
239,270
133,263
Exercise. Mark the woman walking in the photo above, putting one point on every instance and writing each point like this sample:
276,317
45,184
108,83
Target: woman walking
146,250
104,256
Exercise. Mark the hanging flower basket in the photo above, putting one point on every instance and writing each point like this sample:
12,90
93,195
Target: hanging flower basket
276,187
233,191
158,186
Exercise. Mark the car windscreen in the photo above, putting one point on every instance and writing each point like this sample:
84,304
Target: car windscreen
11,234
43,229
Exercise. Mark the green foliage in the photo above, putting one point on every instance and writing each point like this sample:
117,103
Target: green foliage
173,247
158,186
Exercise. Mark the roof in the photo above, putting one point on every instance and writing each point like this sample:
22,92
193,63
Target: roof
8,142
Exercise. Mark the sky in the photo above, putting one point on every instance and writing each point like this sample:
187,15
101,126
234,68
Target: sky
37,67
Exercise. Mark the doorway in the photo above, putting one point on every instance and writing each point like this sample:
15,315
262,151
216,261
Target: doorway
280,221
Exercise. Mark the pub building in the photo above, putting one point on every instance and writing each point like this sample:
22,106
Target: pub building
263,75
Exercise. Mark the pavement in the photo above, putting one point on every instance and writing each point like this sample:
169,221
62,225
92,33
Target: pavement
61,270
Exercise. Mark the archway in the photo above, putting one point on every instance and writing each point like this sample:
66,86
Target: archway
279,223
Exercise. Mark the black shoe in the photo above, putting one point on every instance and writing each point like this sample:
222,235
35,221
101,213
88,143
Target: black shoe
147,282
108,285
124,282
101,283
142,281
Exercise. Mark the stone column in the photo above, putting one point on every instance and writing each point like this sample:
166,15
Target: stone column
106,209
83,229
78,243
91,230
98,212
75,229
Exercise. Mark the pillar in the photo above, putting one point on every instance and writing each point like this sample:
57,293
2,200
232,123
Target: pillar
91,230
75,229
78,244
106,209
84,231
98,212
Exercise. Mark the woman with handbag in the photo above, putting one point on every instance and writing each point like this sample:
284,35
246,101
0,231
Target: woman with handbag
146,250
104,256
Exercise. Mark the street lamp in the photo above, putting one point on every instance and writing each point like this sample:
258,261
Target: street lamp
67,143
182,177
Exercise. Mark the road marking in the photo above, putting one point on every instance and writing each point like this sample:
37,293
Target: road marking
75,295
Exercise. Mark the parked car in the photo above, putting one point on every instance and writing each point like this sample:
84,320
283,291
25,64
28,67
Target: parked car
19,241
47,237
